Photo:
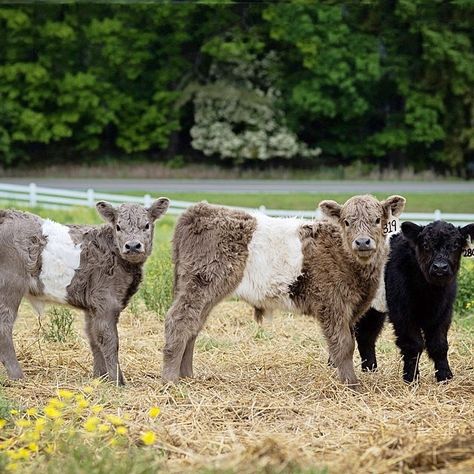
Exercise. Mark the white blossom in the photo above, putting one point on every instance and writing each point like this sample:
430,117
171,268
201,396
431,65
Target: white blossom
236,116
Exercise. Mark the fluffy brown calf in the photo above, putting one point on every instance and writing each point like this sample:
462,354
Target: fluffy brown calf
328,269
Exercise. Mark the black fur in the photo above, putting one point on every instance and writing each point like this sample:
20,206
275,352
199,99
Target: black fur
420,282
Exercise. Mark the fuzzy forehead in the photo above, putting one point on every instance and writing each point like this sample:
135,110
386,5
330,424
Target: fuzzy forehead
439,233
362,207
131,213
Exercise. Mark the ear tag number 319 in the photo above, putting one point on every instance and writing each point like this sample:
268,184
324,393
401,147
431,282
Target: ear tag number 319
469,249
392,226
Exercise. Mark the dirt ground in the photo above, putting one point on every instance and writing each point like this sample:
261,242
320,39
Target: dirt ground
265,399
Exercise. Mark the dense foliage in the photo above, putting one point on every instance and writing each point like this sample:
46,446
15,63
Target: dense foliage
388,82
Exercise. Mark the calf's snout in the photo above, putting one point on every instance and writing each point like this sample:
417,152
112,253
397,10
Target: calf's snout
440,268
133,246
363,243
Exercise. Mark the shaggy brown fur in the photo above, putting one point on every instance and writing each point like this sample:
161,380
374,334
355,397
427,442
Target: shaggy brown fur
342,262
109,272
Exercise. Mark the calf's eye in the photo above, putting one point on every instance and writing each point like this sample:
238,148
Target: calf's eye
118,228
377,221
147,226
347,223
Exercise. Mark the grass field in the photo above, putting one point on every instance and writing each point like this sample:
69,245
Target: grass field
454,202
263,400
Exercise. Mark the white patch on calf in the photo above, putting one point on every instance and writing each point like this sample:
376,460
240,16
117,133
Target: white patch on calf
274,262
379,302
60,259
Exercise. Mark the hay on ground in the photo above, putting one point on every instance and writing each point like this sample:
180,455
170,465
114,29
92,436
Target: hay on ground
265,399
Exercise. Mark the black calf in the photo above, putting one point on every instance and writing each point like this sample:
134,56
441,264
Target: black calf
420,282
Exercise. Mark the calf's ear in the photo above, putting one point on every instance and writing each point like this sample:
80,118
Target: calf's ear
467,231
411,231
395,204
158,208
331,210
107,211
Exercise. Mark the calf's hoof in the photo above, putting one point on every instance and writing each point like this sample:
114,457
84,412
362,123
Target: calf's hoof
352,382
355,386
15,374
411,378
443,375
369,366
170,377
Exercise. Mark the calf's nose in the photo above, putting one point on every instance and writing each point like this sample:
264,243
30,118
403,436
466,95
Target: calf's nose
133,246
440,267
363,243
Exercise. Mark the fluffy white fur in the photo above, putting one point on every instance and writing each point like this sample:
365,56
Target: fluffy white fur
275,261
60,259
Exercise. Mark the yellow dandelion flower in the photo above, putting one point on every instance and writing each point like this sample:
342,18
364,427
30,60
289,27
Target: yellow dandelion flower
115,420
88,390
91,424
52,412
33,447
40,424
21,453
121,430
12,466
154,412
113,442
96,408
66,394
24,453
14,412
82,403
56,403
32,411
103,428
2,423
23,423
148,438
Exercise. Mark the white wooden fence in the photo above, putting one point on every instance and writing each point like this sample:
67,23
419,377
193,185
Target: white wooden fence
33,195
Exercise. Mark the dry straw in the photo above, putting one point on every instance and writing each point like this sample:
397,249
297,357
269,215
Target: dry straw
265,400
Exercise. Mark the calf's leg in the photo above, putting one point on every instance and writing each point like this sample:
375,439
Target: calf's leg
367,330
7,349
11,293
437,347
183,323
186,367
410,341
340,338
100,367
104,330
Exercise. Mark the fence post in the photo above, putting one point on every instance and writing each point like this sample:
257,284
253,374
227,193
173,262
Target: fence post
147,200
437,215
33,196
90,197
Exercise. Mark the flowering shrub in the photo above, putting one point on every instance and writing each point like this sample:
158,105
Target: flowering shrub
70,418
236,115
